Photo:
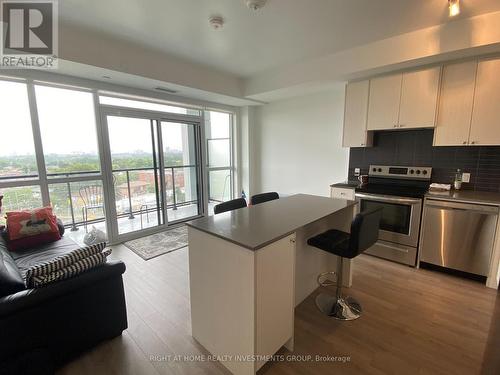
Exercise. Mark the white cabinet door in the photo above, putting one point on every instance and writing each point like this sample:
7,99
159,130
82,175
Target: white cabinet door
485,128
274,298
383,106
455,104
355,113
419,95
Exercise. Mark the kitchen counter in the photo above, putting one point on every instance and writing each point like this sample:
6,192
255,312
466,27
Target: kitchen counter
248,270
346,184
468,196
257,226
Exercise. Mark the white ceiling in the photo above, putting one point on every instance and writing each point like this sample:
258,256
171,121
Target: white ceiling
282,33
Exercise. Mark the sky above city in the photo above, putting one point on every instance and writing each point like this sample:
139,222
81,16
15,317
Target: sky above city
67,124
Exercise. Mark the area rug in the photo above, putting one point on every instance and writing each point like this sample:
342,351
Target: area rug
157,244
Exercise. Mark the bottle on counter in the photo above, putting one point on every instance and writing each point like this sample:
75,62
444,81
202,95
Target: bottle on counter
457,184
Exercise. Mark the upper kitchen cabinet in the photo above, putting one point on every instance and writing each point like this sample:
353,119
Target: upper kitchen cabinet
485,127
355,114
407,100
383,107
419,98
455,104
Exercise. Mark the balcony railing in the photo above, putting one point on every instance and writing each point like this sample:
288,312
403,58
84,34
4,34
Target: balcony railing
132,190
129,198
125,195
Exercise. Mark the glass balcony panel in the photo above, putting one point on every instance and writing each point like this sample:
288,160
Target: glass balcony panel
219,153
220,183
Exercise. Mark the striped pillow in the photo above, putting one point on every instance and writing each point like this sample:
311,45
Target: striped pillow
71,270
63,261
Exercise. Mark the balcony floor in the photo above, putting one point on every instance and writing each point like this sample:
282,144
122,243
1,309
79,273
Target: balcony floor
127,225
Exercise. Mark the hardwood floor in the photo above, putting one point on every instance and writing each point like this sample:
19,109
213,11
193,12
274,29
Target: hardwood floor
413,322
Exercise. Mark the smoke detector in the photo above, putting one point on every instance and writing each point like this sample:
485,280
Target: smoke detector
216,22
255,4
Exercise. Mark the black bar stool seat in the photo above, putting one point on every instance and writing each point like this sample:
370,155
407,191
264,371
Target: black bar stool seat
364,234
263,197
233,204
333,241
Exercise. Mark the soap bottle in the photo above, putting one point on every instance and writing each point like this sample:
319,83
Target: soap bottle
457,184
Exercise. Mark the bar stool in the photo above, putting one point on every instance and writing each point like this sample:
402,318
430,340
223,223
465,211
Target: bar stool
264,197
364,233
230,205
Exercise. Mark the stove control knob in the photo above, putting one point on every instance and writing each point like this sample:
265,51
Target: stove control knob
418,171
412,171
424,172
380,169
374,169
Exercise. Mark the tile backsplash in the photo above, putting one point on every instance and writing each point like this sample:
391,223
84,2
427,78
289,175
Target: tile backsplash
414,147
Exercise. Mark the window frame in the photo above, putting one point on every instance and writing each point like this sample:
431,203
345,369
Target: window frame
44,182
231,166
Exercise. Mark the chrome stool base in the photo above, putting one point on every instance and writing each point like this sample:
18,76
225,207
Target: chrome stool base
342,308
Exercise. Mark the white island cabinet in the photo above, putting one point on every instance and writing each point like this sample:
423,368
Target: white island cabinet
249,268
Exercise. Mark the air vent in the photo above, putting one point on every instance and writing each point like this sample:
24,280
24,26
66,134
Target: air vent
170,91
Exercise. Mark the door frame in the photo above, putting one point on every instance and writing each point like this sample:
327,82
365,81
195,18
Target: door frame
107,170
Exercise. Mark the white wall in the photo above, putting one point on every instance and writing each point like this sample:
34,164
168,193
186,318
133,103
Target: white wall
296,144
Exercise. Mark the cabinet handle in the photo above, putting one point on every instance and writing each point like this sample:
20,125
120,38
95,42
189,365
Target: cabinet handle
465,142
396,125
473,143
401,125
362,144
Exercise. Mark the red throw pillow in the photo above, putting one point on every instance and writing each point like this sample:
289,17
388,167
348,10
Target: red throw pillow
22,224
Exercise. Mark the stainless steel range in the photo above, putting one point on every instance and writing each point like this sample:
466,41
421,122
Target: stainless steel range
400,192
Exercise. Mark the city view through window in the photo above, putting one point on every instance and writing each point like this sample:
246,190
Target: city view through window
68,137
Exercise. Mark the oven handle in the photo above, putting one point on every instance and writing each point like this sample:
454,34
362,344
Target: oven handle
387,198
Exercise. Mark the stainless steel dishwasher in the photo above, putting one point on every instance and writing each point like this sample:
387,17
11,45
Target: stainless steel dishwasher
458,235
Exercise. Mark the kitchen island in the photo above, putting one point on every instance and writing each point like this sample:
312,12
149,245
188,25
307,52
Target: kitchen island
250,267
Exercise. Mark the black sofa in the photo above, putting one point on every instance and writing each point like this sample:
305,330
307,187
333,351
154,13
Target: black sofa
41,329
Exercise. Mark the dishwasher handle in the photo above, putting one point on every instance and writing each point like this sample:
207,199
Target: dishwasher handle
447,205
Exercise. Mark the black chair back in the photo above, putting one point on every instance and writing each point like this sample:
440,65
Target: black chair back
264,197
230,205
364,230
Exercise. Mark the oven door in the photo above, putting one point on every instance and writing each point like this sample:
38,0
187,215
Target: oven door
400,221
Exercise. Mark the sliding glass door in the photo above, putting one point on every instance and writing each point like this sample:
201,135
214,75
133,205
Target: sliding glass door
154,171
181,169
134,167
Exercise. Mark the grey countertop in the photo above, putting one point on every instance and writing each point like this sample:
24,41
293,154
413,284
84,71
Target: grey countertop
469,196
257,226
346,184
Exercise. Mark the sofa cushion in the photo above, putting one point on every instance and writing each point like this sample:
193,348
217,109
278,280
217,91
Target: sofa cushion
32,241
11,280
